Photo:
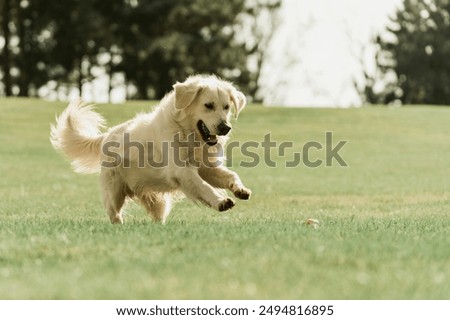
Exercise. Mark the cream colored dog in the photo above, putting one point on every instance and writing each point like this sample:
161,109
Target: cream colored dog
177,147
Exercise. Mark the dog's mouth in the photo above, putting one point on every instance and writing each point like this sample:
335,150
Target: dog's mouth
209,138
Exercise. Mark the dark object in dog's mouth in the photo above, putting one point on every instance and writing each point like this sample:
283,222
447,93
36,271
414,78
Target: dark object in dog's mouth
206,134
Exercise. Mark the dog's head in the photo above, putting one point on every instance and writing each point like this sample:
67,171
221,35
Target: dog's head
207,101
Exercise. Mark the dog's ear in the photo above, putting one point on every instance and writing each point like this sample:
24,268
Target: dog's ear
185,94
239,101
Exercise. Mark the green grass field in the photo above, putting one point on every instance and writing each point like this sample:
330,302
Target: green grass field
384,220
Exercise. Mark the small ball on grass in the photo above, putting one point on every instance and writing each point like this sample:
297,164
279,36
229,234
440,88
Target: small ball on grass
312,223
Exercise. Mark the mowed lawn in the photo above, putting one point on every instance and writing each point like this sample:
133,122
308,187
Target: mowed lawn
384,220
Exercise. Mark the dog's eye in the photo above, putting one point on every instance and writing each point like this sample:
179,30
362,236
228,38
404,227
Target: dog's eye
209,105
227,107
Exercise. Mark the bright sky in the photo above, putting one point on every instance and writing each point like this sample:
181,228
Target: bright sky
314,57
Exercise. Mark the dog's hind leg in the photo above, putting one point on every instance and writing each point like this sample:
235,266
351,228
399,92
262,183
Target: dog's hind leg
114,193
158,205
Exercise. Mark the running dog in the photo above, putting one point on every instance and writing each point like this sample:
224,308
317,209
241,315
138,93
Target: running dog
159,154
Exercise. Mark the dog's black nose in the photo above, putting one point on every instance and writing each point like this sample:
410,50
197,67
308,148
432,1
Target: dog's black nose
223,129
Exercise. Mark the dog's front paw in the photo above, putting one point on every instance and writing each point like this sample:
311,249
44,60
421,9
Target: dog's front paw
243,193
226,204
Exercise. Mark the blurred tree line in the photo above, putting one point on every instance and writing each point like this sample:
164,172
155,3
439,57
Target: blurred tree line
413,58
151,43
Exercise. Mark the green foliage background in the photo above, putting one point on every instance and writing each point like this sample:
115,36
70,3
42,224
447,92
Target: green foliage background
413,57
152,43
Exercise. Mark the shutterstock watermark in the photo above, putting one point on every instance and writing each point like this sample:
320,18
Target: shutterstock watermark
183,152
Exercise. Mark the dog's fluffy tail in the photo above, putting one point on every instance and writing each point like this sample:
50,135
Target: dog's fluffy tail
77,135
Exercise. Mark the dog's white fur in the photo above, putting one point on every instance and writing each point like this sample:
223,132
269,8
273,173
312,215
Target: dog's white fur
77,134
